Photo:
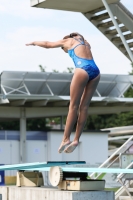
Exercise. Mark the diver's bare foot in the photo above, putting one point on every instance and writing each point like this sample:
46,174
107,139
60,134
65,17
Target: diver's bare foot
63,146
71,147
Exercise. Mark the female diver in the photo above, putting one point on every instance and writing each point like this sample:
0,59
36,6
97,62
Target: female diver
83,85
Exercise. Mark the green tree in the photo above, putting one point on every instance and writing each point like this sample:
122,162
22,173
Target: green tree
43,69
70,69
10,125
39,124
129,92
55,71
32,125
131,73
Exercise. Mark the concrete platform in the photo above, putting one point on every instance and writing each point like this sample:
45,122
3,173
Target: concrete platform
34,193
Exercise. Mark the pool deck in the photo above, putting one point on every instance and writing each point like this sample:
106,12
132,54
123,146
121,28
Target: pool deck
45,193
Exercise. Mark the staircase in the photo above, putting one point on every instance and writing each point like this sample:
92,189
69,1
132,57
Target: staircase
126,191
100,18
102,14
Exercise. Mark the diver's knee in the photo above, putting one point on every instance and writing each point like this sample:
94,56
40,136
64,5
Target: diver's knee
83,108
73,107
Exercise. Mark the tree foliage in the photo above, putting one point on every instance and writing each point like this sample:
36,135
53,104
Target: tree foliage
129,92
39,124
131,73
42,69
10,125
96,122
70,69
55,71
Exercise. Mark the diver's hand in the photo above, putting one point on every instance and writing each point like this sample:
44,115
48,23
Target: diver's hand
30,44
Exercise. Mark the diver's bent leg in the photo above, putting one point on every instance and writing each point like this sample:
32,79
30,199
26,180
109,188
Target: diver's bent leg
78,84
84,104
83,112
71,119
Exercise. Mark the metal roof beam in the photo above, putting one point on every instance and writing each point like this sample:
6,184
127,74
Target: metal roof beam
40,103
4,101
59,103
18,103
36,112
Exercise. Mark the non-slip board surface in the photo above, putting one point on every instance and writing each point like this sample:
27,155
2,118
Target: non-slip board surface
45,166
37,165
89,170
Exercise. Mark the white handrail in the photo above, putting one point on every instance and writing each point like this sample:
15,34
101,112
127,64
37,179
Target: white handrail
118,151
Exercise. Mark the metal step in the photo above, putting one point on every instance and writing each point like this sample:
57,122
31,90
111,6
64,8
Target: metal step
130,189
124,198
114,31
118,39
107,24
129,36
127,53
124,19
100,17
97,10
129,44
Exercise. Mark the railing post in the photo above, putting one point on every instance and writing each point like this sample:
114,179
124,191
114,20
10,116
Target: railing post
118,29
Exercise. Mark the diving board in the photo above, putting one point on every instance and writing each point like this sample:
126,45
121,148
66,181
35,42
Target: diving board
88,170
99,170
59,171
45,166
39,165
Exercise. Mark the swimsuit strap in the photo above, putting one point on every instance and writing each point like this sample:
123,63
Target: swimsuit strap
77,46
81,43
80,40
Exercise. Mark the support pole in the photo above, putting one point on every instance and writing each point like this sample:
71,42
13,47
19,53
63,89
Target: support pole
61,122
118,29
22,135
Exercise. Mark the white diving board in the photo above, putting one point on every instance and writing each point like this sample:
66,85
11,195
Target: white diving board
88,170
38,165
45,166
99,170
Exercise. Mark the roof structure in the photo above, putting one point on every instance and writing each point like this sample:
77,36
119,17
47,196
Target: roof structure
51,91
123,131
70,5
54,86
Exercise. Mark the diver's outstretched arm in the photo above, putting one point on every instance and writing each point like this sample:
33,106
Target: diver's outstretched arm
47,44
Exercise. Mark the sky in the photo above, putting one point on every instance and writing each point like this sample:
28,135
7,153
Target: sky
20,24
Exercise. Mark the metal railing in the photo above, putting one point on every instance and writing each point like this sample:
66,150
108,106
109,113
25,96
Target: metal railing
125,185
120,150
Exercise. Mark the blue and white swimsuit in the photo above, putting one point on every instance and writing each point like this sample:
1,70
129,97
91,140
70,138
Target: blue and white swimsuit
87,64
